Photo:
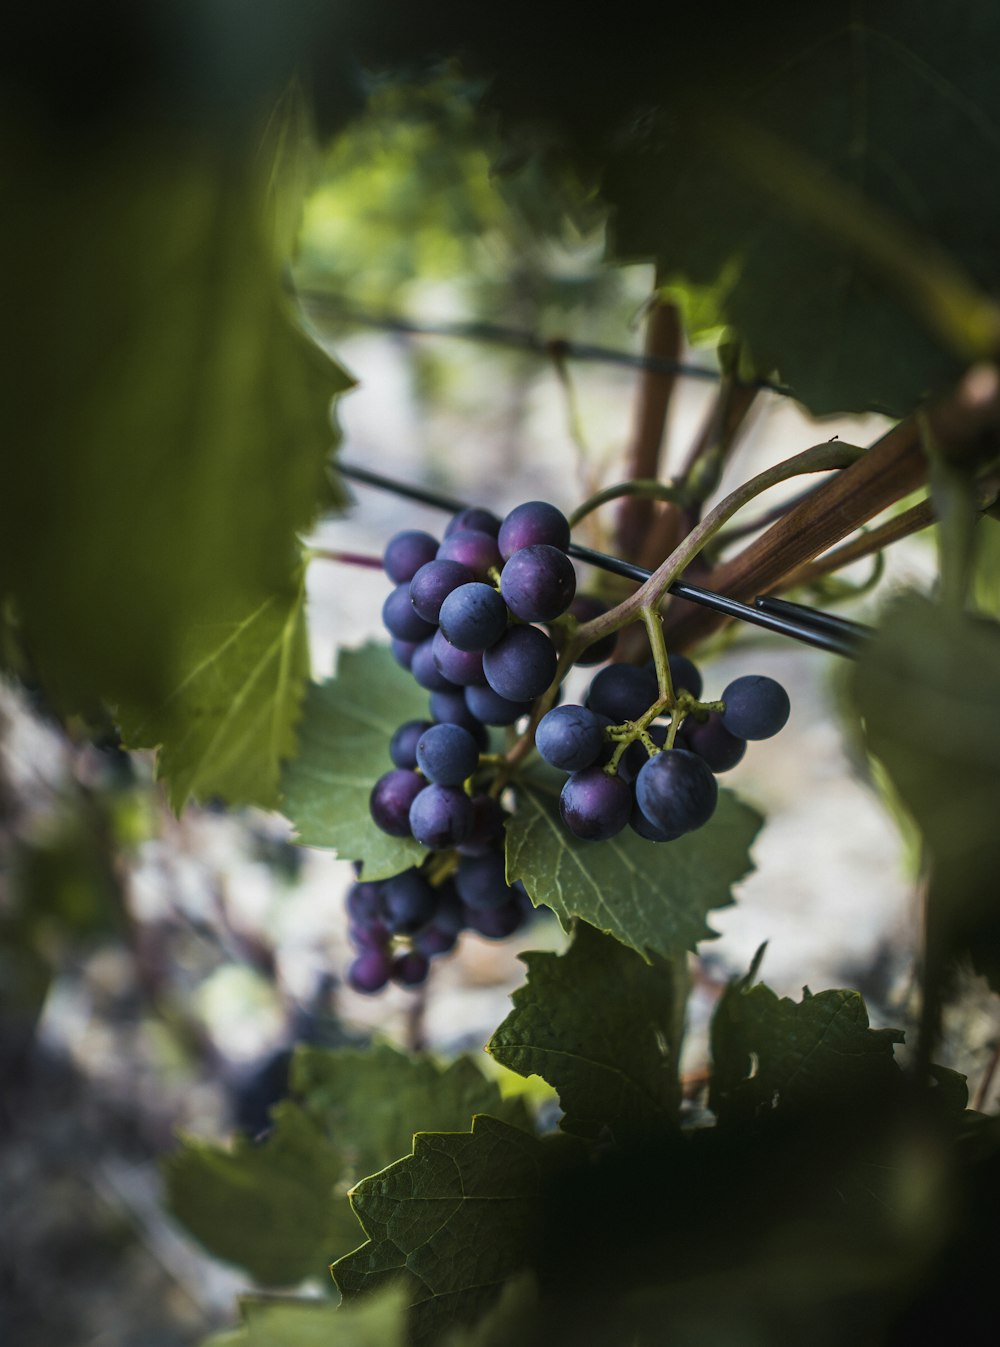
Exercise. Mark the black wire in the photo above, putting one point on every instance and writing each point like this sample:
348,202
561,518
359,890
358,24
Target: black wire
833,634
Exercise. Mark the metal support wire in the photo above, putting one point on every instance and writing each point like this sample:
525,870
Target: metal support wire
825,631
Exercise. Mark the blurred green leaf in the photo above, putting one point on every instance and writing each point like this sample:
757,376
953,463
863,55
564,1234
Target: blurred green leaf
346,726
652,897
616,1072
376,1321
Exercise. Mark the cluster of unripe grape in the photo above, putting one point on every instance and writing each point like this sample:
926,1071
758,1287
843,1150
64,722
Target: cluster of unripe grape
466,618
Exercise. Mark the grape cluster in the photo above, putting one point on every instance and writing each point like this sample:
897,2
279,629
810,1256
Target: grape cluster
656,777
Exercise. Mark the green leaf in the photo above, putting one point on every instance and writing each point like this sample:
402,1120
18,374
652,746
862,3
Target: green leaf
346,726
228,725
370,1102
774,1053
169,424
271,1208
376,1321
615,1070
652,897
279,1208
451,1223
857,258
927,687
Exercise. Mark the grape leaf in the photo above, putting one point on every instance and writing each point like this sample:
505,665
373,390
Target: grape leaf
652,897
279,1208
157,495
616,1071
370,1102
230,722
926,685
451,1222
270,1208
346,726
376,1321
847,215
770,1052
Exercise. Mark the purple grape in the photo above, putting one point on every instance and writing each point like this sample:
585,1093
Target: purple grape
364,902
584,608
570,737
474,616
409,902
441,817
495,923
433,583
482,521
756,707
684,675
403,744
402,651
487,827
640,824
712,741
424,668
391,799
447,754
433,941
534,522
476,550
595,806
369,935
400,619
623,692
521,665
406,552
370,971
676,791
462,668
482,883
492,709
450,708
410,969
538,583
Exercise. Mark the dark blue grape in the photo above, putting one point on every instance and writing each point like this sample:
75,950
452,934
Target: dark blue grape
595,806
369,935
406,552
487,827
570,737
424,668
634,758
447,754
450,916
712,741
441,817
433,940
585,608
400,619
640,824
410,969
370,971
474,616
402,651
533,522
403,744
451,708
492,709
462,668
676,791
684,675
391,799
481,521
409,902
364,902
538,583
756,707
433,583
495,923
481,881
521,665
622,692
476,550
